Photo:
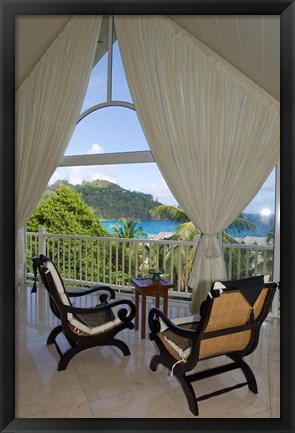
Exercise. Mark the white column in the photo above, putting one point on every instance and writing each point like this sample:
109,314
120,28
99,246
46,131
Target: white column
276,253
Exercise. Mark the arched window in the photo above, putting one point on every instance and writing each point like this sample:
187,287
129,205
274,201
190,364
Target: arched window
108,141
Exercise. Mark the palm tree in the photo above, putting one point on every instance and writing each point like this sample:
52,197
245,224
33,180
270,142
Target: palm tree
128,230
187,230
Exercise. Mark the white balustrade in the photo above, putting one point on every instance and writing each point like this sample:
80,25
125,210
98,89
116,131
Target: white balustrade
88,260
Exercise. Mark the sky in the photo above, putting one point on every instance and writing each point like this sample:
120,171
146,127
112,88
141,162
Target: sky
117,129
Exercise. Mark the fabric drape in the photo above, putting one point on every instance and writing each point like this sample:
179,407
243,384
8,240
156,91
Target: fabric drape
213,133
48,104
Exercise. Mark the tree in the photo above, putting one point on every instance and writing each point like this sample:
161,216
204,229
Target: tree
66,213
186,231
128,229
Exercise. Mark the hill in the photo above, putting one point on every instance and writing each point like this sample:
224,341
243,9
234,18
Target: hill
110,201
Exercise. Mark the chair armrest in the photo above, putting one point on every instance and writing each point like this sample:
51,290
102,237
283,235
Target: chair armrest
123,314
83,292
155,326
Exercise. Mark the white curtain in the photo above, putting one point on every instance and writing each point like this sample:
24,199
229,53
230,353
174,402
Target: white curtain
213,133
48,104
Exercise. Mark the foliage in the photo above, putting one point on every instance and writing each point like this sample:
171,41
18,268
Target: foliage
129,229
66,213
170,213
110,201
187,231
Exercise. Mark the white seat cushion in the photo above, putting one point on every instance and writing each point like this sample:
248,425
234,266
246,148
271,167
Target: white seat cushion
81,327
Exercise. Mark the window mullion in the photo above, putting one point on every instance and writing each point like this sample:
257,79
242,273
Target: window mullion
110,59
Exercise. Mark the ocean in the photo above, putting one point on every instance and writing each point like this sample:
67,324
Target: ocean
152,227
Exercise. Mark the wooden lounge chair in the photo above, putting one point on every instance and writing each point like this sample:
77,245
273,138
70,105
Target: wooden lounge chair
229,324
83,327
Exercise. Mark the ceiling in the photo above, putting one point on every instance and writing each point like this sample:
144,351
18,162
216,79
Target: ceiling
33,36
251,43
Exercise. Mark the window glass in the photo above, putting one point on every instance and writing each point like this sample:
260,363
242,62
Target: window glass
107,130
120,89
97,87
145,177
260,212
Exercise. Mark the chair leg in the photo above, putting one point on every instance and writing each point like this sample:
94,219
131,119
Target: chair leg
67,356
121,345
155,361
189,393
53,334
252,384
248,373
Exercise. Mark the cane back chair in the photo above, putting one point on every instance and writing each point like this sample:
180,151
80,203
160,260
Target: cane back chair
229,324
88,327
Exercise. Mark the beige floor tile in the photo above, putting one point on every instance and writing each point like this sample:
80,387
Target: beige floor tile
35,415
264,414
112,375
28,357
274,377
151,402
47,389
275,406
101,382
82,410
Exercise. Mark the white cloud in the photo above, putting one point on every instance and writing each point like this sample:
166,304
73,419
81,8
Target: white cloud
76,175
160,191
95,148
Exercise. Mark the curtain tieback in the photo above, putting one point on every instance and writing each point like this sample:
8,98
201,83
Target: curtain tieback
211,250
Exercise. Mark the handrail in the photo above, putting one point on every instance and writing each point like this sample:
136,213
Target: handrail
90,260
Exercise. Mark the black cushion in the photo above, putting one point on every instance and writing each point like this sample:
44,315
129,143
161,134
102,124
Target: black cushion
97,319
250,287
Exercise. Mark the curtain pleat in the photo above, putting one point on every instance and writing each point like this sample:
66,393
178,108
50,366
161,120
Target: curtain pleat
213,133
48,104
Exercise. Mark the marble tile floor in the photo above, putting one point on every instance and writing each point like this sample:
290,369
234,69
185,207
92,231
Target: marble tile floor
102,383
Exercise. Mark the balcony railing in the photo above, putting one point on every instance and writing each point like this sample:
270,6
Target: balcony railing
87,260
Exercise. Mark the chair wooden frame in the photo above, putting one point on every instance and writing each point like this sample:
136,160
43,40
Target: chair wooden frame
180,367
79,341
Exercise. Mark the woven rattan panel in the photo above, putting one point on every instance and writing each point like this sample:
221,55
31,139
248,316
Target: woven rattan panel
228,310
224,344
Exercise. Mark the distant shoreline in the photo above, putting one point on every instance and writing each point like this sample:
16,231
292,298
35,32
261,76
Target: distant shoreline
153,228
247,240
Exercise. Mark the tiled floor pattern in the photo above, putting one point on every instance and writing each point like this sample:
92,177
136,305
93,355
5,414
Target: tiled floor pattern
102,383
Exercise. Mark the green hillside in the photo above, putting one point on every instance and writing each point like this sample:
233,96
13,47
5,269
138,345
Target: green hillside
110,201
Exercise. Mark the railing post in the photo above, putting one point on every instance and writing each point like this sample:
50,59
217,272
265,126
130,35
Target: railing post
41,241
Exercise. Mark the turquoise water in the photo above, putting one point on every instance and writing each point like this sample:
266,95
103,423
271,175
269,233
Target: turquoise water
149,227
155,227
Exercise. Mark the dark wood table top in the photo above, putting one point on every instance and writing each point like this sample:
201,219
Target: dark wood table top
147,282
